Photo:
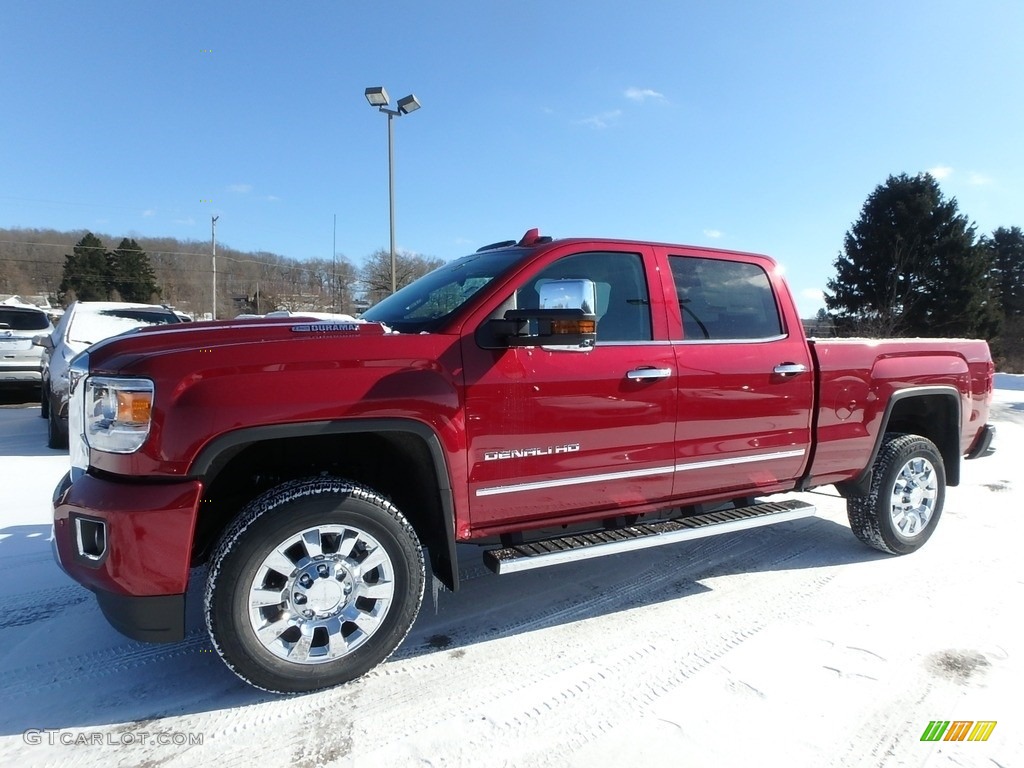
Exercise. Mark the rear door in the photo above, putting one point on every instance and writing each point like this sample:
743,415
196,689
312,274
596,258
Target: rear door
745,376
560,434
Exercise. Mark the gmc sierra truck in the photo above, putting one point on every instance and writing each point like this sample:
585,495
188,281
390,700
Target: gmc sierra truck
549,400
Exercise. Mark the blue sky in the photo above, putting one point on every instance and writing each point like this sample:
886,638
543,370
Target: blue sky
757,126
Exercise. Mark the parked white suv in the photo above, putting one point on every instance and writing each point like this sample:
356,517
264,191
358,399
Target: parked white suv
20,361
83,324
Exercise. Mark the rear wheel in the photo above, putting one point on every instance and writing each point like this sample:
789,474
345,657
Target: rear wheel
908,488
316,583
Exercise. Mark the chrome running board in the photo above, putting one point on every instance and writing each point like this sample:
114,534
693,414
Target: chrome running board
567,549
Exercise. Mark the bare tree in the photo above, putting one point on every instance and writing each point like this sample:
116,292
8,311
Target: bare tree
376,271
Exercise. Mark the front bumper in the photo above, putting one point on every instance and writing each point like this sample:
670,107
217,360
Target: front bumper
131,544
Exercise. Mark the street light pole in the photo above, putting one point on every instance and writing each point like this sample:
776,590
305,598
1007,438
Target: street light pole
213,238
391,191
378,97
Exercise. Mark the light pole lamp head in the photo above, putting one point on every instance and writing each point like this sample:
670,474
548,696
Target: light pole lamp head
409,104
377,96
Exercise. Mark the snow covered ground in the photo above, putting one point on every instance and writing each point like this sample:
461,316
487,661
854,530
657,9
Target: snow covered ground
792,645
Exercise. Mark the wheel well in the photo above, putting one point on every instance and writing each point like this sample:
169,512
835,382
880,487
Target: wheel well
397,465
936,417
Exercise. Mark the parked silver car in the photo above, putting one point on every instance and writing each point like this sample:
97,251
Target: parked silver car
20,361
83,324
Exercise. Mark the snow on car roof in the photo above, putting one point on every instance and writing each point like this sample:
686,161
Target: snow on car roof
97,320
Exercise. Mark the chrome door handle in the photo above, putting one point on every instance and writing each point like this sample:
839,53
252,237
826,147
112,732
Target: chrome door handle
789,369
642,374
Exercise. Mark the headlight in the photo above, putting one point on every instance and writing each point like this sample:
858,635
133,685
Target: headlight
118,413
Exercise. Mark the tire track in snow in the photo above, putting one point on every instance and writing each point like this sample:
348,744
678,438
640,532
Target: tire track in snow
30,607
554,684
574,700
71,670
660,580
405,682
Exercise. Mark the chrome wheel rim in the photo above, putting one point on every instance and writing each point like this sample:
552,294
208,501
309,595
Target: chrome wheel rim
321,594
914,497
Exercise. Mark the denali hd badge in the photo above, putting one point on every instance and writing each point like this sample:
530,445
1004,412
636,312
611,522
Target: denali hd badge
520,453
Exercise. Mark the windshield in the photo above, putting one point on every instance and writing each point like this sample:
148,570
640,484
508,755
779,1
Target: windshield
425,304
90,325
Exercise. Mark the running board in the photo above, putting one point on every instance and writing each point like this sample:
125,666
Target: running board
566,549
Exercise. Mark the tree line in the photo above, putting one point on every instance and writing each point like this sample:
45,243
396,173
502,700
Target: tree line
68,265
913,265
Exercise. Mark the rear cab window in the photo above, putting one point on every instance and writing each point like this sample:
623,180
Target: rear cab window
723,300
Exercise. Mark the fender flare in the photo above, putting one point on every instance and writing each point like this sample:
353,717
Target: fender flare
219,451
861,484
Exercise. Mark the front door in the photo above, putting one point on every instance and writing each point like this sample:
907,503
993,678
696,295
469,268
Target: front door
555,435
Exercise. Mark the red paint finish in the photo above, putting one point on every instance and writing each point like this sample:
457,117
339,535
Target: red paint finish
149,534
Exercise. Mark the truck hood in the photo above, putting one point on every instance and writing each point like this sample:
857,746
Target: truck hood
214,378
222,340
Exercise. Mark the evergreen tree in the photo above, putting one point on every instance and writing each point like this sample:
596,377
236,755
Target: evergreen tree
911,267
1006,253
86,271
131,274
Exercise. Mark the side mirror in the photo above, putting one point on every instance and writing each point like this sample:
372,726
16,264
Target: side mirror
43,340
564,321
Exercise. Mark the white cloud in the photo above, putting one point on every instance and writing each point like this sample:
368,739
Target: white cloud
979,179
941,171
603,120
642,94
815,294
714,234
240,188
149,212
189,222
271,198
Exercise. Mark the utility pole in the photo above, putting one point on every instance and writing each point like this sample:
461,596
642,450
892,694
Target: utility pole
214,239
334,273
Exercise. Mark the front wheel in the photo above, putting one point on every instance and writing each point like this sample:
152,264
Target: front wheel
903,506
56,429
316,583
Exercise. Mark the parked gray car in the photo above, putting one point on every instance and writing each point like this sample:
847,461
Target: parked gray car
83,324
20,361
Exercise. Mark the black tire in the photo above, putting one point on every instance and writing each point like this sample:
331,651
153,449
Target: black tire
353,589
56,429
908,489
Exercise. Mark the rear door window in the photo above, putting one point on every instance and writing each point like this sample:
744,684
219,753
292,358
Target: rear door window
722,300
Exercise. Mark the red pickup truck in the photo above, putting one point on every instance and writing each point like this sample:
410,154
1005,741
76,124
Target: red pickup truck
550,400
